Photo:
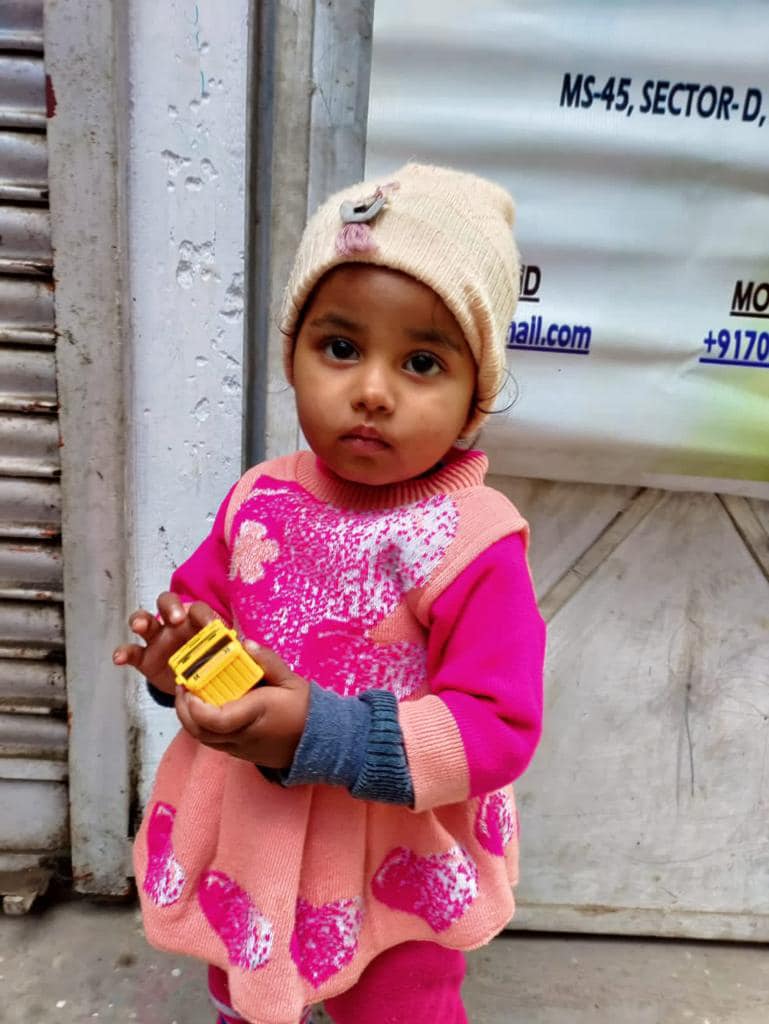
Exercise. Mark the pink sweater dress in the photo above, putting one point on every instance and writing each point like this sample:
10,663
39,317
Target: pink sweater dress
419,588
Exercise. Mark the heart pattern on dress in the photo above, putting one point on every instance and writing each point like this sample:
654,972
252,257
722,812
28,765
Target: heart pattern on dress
438,888
495,822
325,938
245,932
165,877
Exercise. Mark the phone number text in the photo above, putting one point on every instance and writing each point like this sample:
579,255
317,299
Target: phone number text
736,348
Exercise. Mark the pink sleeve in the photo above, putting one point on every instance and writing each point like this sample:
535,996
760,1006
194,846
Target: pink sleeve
478,729
204,575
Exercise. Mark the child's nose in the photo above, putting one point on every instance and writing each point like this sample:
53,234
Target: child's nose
373,391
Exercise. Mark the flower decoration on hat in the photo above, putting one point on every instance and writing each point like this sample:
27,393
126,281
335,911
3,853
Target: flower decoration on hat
355,235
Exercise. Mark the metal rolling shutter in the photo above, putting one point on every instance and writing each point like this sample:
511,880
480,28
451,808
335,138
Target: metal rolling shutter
33,728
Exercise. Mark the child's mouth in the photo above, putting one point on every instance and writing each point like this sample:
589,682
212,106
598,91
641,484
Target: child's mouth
365,440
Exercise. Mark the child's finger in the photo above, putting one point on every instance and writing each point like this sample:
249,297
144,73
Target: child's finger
186,710
274,667
229,718
144,624
183,713
200,614
129,654
171,609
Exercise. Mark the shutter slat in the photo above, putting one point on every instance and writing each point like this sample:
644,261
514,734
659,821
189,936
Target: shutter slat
21,25
27,380
32,686
25,240
23,167
30,629
33,736
30,570
26,309
29,445
30,508
22,91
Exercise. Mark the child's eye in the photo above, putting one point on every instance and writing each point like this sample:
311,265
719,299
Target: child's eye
424,364
340,349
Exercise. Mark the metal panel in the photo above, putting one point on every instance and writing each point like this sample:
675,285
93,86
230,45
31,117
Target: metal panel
26,311
23,167
29,508
341,72
22,92
29,445
39,813
280,89
87,234
27,685
25,240
21,25
27,380
309,97
30,630
30,571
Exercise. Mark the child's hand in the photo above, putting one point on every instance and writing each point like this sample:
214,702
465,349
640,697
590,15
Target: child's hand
162,638
264,726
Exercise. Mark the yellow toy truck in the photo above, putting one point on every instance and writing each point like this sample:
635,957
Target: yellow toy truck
214,666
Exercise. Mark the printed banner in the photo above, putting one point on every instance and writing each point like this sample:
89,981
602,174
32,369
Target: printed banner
635,139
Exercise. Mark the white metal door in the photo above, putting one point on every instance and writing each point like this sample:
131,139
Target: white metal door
645,809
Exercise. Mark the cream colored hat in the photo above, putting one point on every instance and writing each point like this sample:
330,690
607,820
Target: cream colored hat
448,229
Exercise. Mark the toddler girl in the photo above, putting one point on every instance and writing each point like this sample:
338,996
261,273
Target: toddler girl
344,832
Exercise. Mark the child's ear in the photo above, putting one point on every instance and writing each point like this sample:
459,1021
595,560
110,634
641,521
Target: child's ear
466,436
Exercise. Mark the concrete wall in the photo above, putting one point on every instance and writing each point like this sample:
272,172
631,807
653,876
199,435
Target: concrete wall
186,198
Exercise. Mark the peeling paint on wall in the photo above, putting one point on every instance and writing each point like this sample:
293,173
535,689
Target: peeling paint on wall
195,262
186,224
234,299
50,98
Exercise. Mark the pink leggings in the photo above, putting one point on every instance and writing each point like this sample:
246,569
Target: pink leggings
415,983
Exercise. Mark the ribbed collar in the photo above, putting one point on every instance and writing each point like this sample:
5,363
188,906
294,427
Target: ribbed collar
460,470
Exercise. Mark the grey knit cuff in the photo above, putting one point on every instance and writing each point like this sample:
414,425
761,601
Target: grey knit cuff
384,776
355,742
333,744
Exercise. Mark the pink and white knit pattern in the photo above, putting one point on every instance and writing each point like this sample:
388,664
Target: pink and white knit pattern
325,938
438,888
281,566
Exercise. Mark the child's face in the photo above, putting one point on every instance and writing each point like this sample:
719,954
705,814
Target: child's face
383,376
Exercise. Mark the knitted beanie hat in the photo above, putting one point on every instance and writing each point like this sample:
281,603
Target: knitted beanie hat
448,229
